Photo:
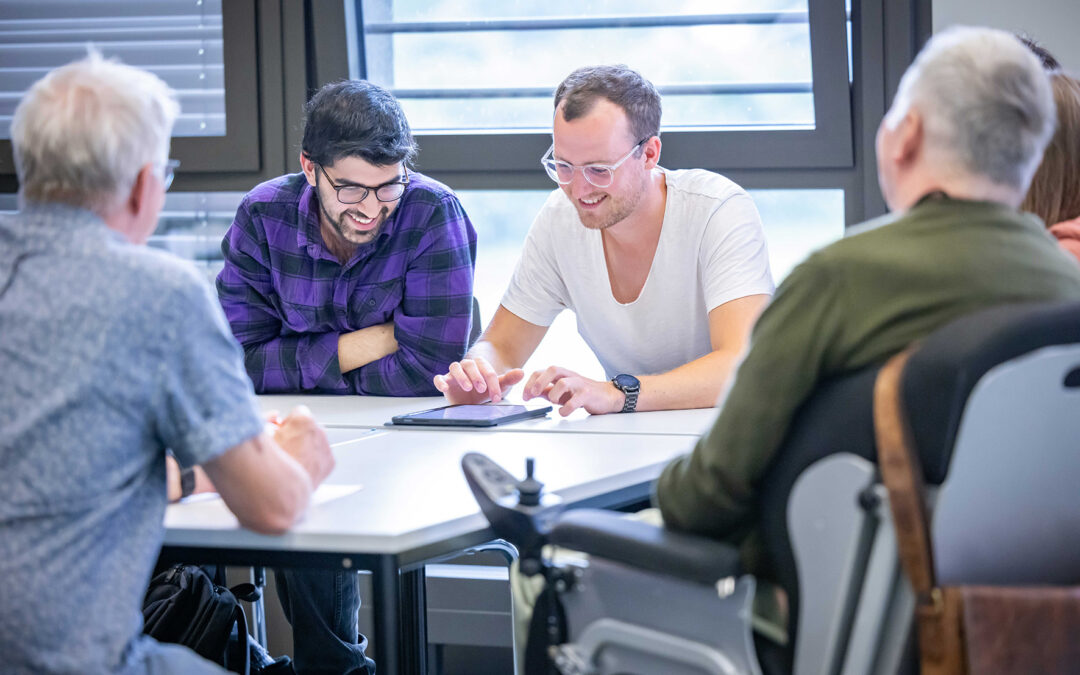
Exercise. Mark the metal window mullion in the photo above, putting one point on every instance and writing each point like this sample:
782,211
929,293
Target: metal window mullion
567,23
702,89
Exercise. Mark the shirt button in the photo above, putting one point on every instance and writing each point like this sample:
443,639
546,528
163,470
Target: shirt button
371,302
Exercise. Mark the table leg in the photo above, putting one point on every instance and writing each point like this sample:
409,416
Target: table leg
413,622
387,591
258,578
400,610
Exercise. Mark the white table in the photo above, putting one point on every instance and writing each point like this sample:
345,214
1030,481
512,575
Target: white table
376,411
415,507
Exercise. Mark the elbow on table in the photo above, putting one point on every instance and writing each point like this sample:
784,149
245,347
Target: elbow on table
277,512
272,522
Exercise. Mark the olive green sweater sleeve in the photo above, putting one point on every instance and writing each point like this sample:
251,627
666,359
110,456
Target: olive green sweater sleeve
710,491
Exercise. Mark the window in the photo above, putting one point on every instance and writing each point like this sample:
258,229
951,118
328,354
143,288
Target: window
192,225
460,86
179,42
204,49
768,76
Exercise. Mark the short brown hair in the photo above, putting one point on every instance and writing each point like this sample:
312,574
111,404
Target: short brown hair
619,84
1054,194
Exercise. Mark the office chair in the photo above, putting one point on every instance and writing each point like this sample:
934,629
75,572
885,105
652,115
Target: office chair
992,403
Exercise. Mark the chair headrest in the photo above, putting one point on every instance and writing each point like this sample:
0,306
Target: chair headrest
947,365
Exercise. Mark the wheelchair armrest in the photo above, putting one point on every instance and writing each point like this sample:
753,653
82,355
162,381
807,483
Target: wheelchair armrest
612,536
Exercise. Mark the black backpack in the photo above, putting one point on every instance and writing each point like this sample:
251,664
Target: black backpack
184,606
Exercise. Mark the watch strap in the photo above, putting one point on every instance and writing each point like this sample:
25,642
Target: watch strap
187,482
630,391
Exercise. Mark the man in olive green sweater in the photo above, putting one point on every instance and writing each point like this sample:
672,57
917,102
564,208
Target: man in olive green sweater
955,155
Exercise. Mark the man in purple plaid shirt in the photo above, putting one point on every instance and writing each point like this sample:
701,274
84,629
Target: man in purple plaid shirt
353,277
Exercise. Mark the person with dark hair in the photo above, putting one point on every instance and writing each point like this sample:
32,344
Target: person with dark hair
665,270
354,276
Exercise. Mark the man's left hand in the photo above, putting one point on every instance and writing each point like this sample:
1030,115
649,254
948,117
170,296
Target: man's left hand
572,391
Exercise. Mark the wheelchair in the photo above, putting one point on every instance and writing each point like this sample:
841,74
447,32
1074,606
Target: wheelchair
993,405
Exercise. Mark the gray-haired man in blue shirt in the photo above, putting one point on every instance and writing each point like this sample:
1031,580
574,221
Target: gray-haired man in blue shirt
112,353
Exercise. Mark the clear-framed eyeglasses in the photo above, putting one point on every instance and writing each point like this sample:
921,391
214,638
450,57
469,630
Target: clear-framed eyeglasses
599,175
353,193
168,172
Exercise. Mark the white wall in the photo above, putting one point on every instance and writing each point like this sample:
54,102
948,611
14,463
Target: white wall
1054,24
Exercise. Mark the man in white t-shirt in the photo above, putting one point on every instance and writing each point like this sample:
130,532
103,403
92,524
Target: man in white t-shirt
665,270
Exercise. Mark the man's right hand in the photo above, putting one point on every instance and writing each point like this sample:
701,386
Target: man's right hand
475,381
302,437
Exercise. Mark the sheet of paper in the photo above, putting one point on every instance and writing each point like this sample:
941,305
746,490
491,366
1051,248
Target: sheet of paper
328,493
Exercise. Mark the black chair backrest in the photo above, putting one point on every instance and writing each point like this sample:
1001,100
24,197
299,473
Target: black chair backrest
837,418
940,376
477,326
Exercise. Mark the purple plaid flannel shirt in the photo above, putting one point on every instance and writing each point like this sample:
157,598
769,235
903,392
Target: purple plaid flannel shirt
288,298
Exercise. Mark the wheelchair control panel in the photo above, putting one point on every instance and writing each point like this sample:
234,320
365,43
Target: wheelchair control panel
518,510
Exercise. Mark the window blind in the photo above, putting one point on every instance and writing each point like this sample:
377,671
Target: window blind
178,40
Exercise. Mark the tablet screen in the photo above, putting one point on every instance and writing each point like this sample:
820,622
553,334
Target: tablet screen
470,412
484,415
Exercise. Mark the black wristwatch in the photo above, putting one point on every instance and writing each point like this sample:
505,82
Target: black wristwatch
187,482
630,386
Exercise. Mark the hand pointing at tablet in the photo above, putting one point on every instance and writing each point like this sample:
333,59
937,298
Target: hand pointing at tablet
474,380
493,365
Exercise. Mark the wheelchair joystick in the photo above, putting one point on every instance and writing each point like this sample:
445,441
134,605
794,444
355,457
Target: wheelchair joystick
518,511
530,489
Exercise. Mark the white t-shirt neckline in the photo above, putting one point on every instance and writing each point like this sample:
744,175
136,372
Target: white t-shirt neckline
598,249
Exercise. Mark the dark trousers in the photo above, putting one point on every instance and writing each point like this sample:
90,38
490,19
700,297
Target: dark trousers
322,607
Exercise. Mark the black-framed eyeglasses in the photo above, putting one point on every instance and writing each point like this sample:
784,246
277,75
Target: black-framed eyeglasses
353,193
600,175
168,172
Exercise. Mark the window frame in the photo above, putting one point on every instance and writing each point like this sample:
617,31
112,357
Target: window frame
828,144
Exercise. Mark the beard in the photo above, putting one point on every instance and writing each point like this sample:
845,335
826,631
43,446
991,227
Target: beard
344,227
617,209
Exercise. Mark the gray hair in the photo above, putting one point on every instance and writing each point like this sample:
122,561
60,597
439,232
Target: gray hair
81,134
987,105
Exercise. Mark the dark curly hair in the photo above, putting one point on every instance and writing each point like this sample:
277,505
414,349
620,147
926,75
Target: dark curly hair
355,118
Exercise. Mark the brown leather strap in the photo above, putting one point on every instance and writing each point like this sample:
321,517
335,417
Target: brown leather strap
902,474
937,611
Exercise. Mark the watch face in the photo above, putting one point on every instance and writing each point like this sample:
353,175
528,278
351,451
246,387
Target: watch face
624,382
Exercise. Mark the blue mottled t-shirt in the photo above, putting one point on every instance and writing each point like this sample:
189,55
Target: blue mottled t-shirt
109,354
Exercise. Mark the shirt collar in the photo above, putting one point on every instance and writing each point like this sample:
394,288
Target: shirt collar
308,237
71,219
